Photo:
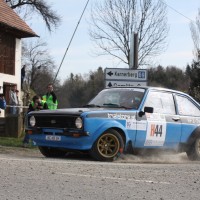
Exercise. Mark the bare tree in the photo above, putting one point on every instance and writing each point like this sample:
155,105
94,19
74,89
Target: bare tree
195,31
113,22
40,66
40,7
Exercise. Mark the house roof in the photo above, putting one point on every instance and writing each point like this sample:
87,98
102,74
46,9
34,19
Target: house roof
10,22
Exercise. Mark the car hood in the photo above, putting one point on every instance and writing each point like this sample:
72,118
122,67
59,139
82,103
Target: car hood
73,111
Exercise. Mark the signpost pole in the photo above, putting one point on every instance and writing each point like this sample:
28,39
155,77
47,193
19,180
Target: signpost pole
135,66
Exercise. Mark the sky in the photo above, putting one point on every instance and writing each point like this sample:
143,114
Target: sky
80,59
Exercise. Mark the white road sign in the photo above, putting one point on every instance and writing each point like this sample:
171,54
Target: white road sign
116,83
126,74
120,77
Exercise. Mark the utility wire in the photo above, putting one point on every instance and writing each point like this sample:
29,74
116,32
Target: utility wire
177,11
71,40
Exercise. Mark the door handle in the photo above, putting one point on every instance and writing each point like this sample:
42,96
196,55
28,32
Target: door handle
176,118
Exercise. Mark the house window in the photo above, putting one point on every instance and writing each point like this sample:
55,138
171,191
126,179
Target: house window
7,54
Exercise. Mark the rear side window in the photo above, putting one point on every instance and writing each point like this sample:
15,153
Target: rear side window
186,106
162,102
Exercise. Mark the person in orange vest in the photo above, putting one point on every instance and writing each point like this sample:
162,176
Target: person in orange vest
50,98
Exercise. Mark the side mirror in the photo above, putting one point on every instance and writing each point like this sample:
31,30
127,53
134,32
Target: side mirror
146,110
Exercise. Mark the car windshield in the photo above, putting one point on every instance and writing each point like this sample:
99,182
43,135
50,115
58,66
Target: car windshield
119,97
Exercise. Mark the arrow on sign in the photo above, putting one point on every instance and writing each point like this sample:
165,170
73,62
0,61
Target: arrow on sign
109,84
110,73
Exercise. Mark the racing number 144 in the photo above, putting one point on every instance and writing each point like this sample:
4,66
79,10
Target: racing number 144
156,130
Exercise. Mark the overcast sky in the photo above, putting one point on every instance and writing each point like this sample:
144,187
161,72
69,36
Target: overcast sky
80,60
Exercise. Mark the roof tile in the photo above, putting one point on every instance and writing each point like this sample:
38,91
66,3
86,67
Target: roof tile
8,17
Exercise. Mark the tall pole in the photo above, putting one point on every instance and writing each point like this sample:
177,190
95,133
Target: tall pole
70,41
133,56
135,66
131,53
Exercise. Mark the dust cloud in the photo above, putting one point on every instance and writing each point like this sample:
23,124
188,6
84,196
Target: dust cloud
162,158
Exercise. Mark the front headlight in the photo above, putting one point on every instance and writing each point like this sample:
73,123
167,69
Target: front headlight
32,121
79,123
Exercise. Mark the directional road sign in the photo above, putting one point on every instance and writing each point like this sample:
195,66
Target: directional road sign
120,77
124,84
126,74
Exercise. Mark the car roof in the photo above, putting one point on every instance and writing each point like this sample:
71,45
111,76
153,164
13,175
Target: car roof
151,88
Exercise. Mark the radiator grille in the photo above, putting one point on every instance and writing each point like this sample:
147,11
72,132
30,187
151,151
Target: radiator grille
55,121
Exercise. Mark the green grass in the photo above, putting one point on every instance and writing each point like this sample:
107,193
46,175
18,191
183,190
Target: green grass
13,142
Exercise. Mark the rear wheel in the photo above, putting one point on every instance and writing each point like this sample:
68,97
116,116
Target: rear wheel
193,152
108,146
51,152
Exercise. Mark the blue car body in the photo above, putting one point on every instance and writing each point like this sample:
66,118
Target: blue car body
162,119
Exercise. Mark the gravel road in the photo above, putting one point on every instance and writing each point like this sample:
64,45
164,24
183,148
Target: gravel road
26,174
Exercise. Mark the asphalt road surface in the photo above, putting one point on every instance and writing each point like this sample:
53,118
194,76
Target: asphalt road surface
26,174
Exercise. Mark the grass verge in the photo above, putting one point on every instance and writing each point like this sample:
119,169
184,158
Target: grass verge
12,142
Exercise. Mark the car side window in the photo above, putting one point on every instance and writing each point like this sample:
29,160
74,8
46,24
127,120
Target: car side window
162,102
186,106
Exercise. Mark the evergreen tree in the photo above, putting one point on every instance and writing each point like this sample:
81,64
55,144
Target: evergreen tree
193,72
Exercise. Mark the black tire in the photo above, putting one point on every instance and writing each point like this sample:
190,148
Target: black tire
193,151
108,146
51,152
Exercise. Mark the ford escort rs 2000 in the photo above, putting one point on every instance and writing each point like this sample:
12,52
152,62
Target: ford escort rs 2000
120,120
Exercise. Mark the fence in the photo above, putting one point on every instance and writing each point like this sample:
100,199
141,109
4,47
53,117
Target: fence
12,125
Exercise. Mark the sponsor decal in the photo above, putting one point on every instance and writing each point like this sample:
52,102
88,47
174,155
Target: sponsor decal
156,133
120,116
156,130
142,125
193,120
136,125
130,120
131,124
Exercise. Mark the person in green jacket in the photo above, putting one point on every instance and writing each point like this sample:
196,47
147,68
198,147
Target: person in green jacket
50,98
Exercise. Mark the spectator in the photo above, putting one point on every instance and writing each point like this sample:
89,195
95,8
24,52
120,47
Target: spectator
2,102
19,102
13,100
23,74
50,98
36,105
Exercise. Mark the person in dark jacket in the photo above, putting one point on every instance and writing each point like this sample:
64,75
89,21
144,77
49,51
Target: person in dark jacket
2,102
23,74
37,104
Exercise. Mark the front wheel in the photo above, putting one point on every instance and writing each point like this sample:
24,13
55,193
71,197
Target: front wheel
51,152
193,151
108,146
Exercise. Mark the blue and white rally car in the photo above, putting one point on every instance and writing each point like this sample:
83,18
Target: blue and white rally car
120,120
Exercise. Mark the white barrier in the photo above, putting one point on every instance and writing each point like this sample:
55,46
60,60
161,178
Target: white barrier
11,106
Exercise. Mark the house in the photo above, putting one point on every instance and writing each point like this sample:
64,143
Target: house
12,30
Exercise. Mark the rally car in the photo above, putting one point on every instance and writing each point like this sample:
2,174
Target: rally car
120,120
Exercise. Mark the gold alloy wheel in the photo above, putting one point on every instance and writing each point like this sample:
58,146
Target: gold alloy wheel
108,145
